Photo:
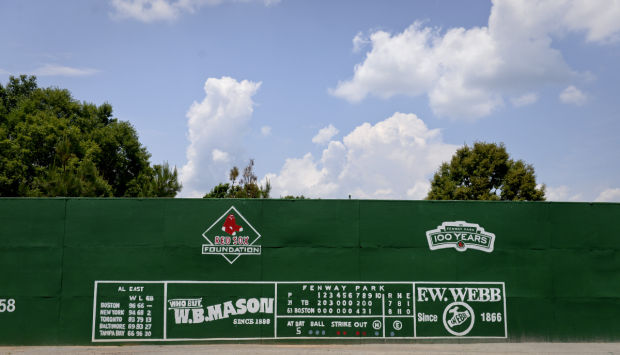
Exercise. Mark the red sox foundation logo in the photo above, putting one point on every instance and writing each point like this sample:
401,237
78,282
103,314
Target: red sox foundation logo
231,236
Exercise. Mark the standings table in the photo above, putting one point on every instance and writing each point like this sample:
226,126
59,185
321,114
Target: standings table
254,310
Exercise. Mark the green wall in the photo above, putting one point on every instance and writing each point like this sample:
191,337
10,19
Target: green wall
559,262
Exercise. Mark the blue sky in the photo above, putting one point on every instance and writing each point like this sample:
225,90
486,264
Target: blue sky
338,98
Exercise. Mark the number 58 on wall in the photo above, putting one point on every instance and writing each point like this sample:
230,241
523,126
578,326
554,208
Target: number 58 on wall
7,305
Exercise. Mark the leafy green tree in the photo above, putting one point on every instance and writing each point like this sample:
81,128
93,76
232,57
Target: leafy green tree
72,178
246,187
219,191
485,172
291,197
53,145
165,181
234,173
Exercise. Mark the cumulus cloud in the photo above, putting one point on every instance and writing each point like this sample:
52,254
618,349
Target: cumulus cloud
265,130
220,156
359,42
216,125
598,19
467,73
166,10
61,70
325,134
524,100
561,193
609,195
145,10
572,95
393,159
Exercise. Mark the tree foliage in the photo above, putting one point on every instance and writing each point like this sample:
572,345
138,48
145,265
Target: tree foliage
53,145
291,197
485,172
246,187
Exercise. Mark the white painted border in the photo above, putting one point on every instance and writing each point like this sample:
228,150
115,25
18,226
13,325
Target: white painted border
351,316
165,309
94,311
383,314
275,311
505,313
288,282
470,283
415,323
414,284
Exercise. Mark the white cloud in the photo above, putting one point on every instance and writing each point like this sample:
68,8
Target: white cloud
524,100
467,73
216,126
394,159
166,10
599,19
60,70
609,195
265,130
145,10
359,42
220,156
561,193
574,96
325,134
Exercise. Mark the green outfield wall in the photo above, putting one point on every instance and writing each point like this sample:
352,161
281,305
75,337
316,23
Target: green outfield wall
109,271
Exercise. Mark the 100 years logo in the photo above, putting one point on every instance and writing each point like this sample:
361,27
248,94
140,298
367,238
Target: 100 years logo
461,236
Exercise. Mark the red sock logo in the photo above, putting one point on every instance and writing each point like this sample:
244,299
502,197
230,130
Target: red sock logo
230,225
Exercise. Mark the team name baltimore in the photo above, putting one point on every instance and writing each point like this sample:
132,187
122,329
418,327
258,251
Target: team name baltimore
243,250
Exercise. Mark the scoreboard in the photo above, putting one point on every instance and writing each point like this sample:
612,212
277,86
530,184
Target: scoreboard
81,271
245,310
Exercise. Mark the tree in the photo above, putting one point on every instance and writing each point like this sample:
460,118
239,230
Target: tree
165,181
53,145
247,186
291,197
485,172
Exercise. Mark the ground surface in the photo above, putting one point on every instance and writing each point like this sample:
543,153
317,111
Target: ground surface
444,349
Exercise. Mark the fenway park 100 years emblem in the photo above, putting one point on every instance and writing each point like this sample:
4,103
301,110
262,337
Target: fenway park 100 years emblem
461,236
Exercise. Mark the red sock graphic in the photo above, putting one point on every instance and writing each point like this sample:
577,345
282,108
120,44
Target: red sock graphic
230,226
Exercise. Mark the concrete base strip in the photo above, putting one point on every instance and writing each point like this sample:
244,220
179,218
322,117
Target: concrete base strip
223,349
